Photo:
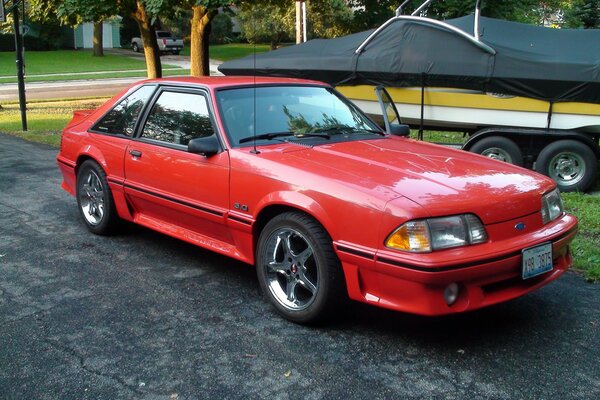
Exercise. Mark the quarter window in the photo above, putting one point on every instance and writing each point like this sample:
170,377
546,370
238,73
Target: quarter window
122,118
177,118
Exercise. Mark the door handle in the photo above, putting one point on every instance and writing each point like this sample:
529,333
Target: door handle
135,153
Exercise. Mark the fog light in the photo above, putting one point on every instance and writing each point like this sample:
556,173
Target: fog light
451,293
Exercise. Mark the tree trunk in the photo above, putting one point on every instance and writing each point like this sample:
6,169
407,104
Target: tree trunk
148,34
201,25
97,39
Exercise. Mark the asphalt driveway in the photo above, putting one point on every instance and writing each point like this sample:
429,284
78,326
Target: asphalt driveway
141,315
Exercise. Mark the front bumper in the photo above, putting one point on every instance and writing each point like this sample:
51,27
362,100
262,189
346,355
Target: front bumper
486,274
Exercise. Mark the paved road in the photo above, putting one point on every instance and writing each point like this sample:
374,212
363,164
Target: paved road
141,315
66,89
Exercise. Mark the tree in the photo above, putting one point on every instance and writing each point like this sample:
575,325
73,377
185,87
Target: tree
372,13
272,26
222,29
329,18
95,11
274,20
582,14
203,12
145,13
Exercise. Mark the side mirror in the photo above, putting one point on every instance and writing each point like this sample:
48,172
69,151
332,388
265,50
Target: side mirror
207,145
400,130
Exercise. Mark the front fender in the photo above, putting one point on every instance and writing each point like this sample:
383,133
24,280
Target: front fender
298,201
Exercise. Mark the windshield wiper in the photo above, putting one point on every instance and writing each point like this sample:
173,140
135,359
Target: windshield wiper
348,129
275,135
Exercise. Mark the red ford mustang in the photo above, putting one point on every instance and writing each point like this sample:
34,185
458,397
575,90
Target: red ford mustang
291,177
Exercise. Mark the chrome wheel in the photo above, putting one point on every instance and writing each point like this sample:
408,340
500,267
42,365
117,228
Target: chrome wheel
91,198
291,269
567,168
497,153
499,148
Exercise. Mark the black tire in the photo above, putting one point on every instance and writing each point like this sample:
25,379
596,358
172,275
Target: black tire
572,164
310,271
95,200
499,148
135,47
176,52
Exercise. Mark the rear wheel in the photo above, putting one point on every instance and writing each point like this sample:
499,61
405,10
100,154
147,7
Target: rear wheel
135,47
94,199
572,164
499,148
298,270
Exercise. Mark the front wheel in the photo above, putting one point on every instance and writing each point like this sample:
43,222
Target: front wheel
135,47
298,270
572,164
95,201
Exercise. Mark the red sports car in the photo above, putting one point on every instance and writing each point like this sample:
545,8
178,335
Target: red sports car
291,177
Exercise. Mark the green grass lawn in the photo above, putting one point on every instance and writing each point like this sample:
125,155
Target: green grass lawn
46,119
226,52
67,61
131,74
586,246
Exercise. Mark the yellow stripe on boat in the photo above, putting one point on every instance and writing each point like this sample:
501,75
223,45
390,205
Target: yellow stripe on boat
448,97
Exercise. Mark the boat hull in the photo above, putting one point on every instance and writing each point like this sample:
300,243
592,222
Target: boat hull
468,110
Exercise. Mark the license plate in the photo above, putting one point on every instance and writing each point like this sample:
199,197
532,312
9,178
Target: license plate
537,260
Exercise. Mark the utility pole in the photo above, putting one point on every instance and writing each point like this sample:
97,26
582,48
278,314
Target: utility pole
19,57
300,21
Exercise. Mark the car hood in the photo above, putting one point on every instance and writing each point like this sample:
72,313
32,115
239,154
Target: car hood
442,180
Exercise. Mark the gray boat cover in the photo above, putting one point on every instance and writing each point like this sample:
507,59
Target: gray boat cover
532,61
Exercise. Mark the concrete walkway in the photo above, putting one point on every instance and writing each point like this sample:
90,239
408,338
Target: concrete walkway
180,61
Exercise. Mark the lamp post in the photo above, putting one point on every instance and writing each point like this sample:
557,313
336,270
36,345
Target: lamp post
19,57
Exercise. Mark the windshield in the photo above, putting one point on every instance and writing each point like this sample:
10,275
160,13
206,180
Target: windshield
290,113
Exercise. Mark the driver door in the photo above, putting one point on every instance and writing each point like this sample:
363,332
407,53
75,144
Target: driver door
170,189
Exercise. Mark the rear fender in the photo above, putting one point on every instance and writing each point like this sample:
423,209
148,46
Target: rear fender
91,152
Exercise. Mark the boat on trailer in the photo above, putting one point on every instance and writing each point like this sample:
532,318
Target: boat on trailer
524,94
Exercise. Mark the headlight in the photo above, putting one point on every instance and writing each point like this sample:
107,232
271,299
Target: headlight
437,233
552,206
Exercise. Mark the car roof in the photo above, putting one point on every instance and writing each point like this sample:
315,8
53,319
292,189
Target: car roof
217,82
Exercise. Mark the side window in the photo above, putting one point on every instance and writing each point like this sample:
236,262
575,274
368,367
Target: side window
122,118
177,118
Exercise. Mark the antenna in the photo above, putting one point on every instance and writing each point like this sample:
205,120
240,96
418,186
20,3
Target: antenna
254,151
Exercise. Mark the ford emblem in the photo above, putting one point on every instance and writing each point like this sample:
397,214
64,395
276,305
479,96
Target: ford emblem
520,226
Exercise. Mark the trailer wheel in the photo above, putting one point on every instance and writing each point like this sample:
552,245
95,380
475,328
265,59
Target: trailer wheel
499,148
570,163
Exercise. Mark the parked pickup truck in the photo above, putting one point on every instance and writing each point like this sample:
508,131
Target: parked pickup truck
167,43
